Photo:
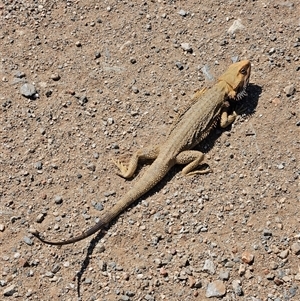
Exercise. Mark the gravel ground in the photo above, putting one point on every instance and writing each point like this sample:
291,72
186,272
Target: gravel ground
82,82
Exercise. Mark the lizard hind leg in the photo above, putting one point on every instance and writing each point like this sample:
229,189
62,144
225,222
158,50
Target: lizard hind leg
146,153
193,159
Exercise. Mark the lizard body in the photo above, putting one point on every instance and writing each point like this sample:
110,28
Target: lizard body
208,107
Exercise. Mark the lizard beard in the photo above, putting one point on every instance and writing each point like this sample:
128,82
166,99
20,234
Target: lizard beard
242,93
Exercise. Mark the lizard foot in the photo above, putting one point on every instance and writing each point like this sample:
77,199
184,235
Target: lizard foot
200,171
122,168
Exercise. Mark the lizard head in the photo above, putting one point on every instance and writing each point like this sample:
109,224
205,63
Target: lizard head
237,78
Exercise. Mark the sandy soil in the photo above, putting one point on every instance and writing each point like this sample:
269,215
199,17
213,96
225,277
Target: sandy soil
110,77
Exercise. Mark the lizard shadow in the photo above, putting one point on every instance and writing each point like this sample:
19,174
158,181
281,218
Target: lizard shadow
249,104
246,106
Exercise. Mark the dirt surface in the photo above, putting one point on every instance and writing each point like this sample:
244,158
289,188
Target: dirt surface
110,77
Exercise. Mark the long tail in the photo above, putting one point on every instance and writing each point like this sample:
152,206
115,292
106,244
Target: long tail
151,177
84,235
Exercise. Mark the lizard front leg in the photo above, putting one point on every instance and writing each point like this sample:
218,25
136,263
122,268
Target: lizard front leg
193,159
146,153
227,119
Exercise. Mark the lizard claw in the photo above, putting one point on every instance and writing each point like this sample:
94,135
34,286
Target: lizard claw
242,109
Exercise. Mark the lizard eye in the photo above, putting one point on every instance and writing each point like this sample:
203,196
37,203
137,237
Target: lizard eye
243,71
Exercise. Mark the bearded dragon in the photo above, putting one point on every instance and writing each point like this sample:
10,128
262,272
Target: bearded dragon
208,107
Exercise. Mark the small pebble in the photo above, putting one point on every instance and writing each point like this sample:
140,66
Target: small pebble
2,227
55,76
124,298
198,284
55,268
192,281
9,291
235,58
242,270
58,199
295,247
284,254
38,165
182,13
135,90
98,206
48,274
272,50
91,167
293,291
163,272
23,263
82,99
42,131
209,267
236,285
287,278
40,218
267,232
236,26
109,193
110,120
19,74
186,47
28,241
273,265
280,166
229,264
289,90
66,264
248,274
270,276
215,289
276,101
48,93
132,60
247,257
179,65
28,90
206,72
224,275
102,265
149,298
158,262
278,281
86,216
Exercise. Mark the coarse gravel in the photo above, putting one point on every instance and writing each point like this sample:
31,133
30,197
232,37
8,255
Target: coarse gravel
83,82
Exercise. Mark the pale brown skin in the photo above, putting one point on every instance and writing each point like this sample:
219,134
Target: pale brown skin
208,107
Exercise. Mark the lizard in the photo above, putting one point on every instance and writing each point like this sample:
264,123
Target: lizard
208,107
